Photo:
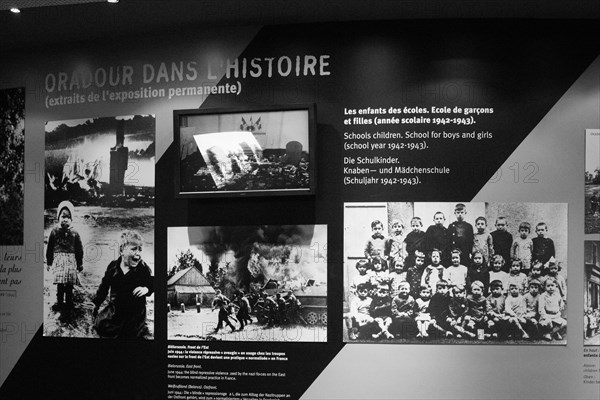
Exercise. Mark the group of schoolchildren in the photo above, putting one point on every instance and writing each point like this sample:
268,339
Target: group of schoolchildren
591,322
457,282
127,281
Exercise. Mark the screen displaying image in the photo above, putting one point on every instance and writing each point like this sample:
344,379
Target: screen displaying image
253,152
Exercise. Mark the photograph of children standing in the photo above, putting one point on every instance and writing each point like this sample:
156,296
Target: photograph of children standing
592,181
464,273
99,228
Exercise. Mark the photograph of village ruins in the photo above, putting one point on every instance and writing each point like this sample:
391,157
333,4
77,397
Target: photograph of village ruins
247,283
99,227
253,152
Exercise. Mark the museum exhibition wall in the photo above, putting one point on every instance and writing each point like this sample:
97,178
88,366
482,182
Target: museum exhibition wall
343,210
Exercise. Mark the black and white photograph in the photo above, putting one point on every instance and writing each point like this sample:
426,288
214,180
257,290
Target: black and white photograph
591,294
592,181
254,151
455,273
99,228
12,159
247,283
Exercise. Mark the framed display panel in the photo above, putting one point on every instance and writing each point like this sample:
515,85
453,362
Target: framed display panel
592,181
101,171
591,294
269,279
246,151
445,255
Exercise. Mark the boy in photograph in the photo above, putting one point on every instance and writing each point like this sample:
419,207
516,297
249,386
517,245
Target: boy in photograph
403,309
457,310
129,281
502,240
381,311
496,317
483,241
377,244
476,317
461,233
438,237
543,247
532,300
438,308
415,240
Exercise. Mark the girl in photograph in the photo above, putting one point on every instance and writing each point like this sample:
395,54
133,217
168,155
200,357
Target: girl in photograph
64,255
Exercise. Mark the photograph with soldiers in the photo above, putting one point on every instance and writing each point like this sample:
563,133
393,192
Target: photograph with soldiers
247,283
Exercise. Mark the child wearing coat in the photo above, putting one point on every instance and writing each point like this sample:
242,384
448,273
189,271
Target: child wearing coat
129,281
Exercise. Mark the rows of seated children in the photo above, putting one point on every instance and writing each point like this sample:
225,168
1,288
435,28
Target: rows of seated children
375,270
453,303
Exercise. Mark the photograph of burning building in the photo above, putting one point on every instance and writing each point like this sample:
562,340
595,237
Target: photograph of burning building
12,156
99,227
245,152
247,283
